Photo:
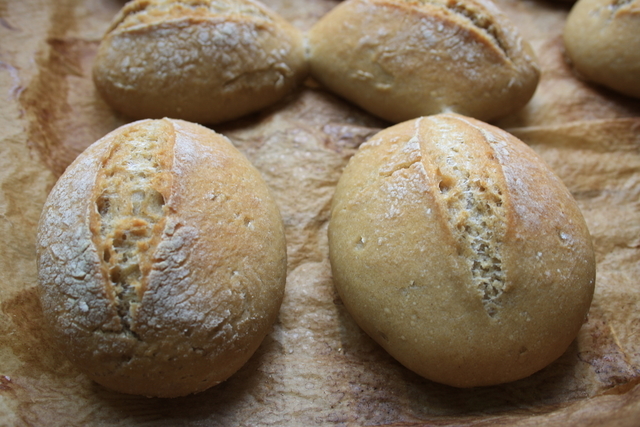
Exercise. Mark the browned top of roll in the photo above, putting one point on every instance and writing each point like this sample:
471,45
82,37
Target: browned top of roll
203,61
401,59
457,249
161,259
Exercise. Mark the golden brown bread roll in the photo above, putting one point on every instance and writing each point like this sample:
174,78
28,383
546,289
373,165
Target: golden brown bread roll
457,249
161,259
602,40
401,59
200,60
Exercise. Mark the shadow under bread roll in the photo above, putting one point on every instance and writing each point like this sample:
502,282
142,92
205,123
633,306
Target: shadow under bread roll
455,247
161,259
402,59
199,60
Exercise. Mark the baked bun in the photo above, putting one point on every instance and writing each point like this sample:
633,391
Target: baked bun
456,248
161,259
602,40
200,60
401,59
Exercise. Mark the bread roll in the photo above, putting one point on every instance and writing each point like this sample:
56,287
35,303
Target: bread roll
200,60
161,259
401,59
456,248
602,40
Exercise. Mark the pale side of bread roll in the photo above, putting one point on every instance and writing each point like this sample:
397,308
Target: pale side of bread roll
602,40
455,247
401,59
200,60
161,259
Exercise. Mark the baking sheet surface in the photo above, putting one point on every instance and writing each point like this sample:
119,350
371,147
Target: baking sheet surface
316,367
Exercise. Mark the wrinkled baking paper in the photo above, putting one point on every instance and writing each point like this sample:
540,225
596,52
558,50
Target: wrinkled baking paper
316,367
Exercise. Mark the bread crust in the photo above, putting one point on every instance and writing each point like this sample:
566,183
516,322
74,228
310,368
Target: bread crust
602,41
199,60
457,249
161,259
401,59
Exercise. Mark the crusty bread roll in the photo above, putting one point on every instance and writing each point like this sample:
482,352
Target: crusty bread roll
602,40
401,59
200,60
161,259
456,248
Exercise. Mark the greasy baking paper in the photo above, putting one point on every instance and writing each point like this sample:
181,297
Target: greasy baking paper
316,367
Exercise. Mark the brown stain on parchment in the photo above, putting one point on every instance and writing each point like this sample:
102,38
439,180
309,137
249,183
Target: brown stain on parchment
59,127
609,362
64,111
24,331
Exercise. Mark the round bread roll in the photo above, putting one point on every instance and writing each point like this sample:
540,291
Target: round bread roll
602,40
200,60
456,248
161,259
401,59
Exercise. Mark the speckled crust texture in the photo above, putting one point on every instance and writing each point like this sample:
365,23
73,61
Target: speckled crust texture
203,61
458,250
401,59
316,367
170,289
602,40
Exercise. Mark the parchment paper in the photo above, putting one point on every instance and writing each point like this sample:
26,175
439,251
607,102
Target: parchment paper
316,367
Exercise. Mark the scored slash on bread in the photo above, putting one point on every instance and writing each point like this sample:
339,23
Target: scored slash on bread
402,59
161,259
454,246
204,61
